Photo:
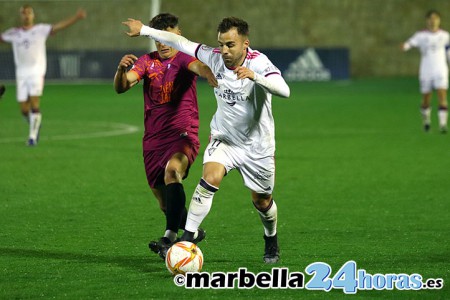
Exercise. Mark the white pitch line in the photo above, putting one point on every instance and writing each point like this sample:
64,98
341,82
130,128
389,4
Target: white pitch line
119,129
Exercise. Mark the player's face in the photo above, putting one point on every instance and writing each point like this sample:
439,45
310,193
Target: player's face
165,51
233,47
27,16
433,22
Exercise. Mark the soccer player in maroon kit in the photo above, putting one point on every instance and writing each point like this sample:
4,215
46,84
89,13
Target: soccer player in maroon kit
170,142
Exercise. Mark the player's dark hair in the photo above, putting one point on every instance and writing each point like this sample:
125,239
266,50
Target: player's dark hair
164,21
232,22
432,12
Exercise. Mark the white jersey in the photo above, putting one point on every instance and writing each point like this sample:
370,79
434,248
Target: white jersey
433,48
29,49
244,109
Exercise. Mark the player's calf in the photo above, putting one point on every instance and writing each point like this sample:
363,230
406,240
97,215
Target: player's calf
198,208
426,117
443,116
35,126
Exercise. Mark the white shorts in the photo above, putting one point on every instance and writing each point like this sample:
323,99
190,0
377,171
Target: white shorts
258,173
427,85
29,86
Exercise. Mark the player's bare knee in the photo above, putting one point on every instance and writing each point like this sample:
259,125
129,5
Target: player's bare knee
213,178
213,173
443,101
172,175
261,201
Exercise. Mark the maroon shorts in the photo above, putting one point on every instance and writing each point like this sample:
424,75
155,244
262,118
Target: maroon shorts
155,161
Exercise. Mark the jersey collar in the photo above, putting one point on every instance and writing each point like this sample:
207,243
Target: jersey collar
246,55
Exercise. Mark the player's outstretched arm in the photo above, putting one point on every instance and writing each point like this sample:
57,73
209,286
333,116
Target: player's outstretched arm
447,52
81,14
412,42
204,71
124,80
274,83
136,28
405,46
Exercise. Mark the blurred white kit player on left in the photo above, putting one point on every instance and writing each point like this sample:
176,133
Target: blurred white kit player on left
30,58
433,44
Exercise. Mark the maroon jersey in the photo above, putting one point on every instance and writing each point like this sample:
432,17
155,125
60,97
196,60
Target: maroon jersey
170,99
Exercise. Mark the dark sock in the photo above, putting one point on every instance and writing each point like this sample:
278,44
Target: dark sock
183,218
175,204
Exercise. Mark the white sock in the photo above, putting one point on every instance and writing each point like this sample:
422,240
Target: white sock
269,219
35,124
443,116
200,205
172,236
426,115
26,117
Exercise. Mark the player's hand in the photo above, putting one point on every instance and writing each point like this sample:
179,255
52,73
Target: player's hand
210,77
243,72
126,61
81,14
201,69
134,27
212,81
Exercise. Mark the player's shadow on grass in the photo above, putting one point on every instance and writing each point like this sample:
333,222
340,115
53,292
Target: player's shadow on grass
146,264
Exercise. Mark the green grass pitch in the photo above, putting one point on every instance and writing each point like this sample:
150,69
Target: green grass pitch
357,179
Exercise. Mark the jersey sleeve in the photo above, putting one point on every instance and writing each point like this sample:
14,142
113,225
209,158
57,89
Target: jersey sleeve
447,46
45,29
170,39
413,41
140,67
265,67
205,54
269,77
186,60
8,35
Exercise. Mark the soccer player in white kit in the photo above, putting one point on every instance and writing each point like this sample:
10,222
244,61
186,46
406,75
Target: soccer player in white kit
242,129
30,58
433,44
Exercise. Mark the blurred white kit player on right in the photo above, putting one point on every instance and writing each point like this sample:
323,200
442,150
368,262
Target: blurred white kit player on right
30,58
433,44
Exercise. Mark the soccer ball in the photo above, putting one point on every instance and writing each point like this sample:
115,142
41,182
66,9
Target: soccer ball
184,257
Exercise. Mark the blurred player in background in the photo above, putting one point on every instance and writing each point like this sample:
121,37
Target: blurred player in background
30,58
433,75
242,129
2,90
170,142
